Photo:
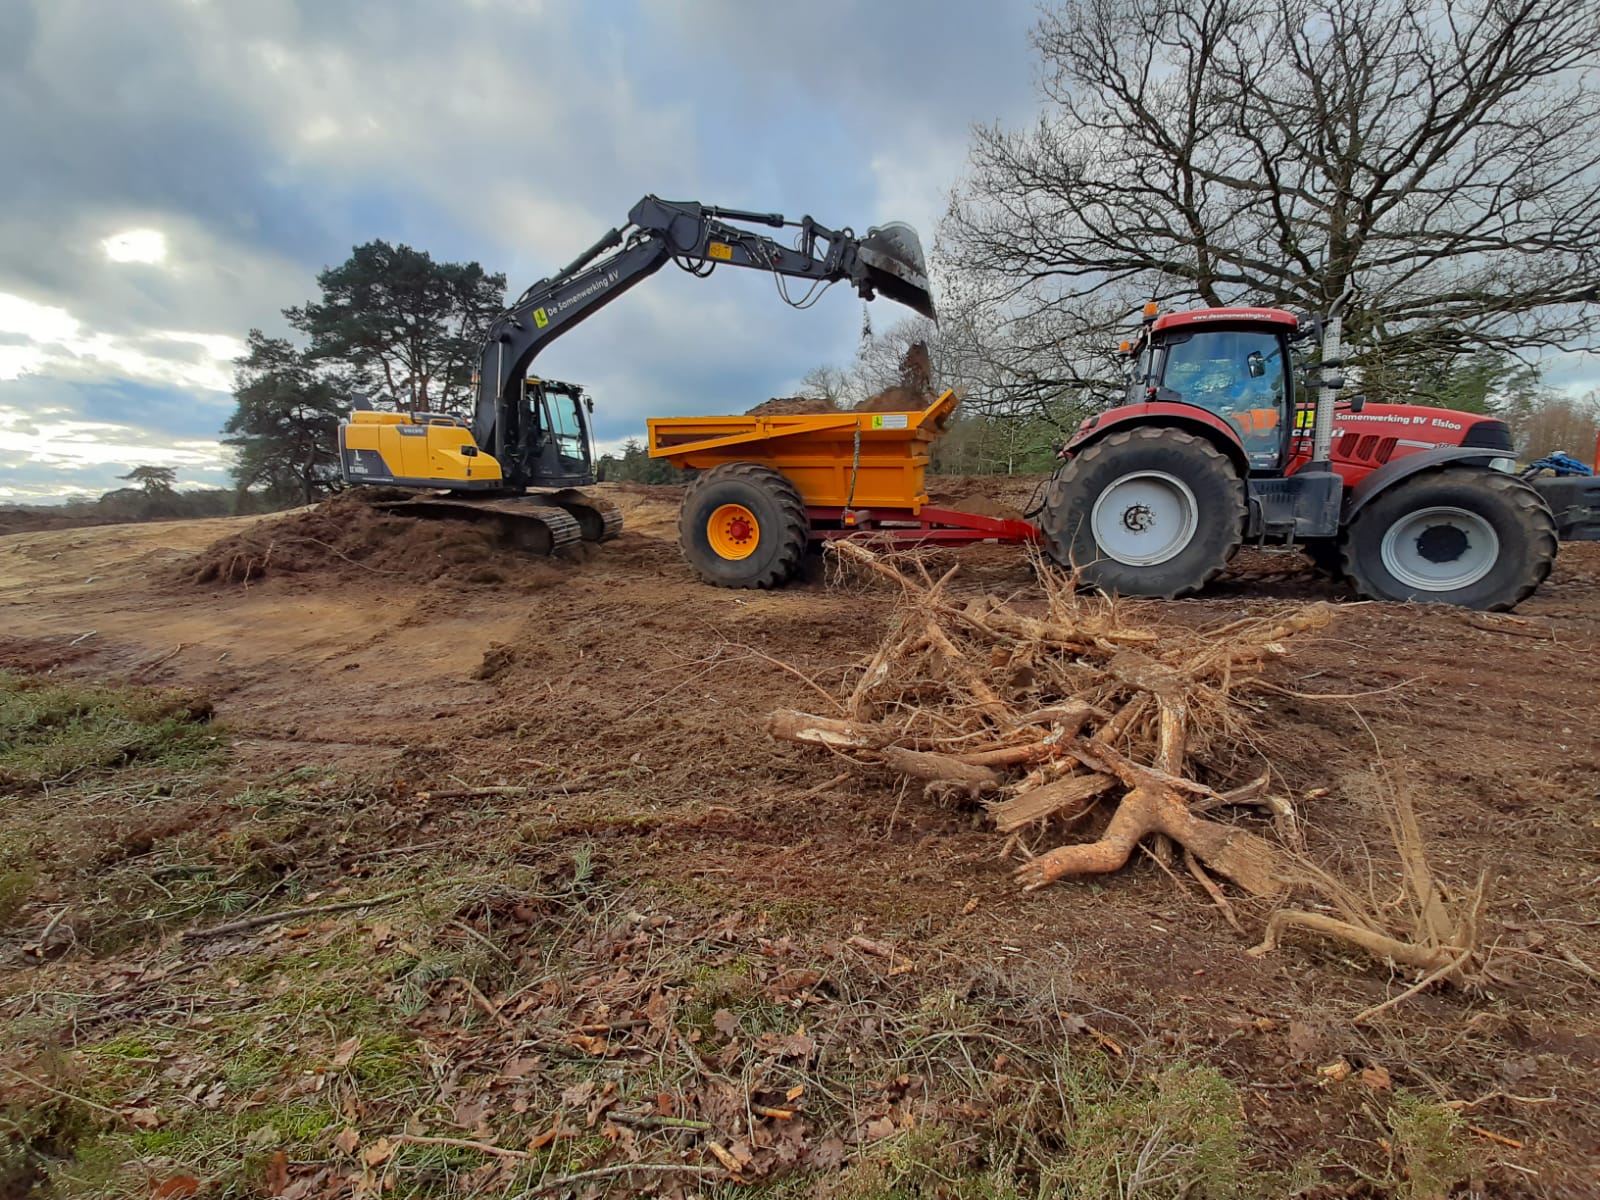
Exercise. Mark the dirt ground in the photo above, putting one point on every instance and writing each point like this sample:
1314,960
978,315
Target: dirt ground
635,698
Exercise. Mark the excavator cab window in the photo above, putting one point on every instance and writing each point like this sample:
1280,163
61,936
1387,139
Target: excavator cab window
564,423
1240,376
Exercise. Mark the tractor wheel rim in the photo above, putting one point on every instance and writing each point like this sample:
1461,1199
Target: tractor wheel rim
1144,518
1440,549
733,531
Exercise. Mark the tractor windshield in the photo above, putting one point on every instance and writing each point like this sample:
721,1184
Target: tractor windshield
1237,374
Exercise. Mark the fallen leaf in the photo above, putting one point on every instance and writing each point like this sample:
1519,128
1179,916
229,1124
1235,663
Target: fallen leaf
970,907
724,1022
143,1118
793,1045
578,1094
828,1154
346,1140
787,984
345,1051
877,1129
1377,1078
381,1151
175,1187
1105,1040
795,1093
278,1173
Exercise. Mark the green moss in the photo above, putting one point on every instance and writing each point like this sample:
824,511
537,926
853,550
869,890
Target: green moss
1176,1134
49,730
1431,1143
123,1046
385,1060
15,888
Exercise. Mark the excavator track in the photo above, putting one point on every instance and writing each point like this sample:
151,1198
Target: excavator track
525,523
600,520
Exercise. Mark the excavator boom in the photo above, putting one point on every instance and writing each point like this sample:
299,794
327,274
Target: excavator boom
887,261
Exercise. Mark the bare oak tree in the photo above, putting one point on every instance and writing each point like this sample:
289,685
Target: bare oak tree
1440,157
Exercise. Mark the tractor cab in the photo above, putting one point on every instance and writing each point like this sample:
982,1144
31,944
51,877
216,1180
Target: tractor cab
1234,363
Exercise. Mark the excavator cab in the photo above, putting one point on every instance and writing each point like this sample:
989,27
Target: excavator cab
552,443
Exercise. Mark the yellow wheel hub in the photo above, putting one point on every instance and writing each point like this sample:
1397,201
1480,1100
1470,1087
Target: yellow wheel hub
733,531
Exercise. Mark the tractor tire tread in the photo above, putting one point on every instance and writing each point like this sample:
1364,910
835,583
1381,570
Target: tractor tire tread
1058,494
1531,514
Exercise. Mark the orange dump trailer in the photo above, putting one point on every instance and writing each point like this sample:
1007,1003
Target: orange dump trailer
772,486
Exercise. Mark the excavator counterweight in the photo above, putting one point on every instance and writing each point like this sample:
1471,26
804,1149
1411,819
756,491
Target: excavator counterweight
530,446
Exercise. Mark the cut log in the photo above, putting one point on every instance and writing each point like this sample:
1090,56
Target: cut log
794,726
938,768
1067,798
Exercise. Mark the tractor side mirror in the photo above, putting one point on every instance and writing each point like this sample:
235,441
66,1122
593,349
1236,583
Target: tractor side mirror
1255,364
1357,402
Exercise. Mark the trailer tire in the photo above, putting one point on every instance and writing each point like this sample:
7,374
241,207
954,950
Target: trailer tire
1468,536
1153,511
743,525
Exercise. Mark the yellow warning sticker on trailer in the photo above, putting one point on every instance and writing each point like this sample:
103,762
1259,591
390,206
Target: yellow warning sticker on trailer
720,250
539,318
892,421
1305,418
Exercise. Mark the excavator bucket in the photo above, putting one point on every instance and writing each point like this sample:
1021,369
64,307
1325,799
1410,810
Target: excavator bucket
890,263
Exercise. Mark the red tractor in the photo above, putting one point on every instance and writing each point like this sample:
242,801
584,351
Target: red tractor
1214,448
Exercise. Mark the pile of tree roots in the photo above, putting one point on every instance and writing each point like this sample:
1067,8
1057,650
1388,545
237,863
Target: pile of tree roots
1047,718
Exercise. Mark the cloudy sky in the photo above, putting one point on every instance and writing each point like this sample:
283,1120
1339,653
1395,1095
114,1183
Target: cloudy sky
177,171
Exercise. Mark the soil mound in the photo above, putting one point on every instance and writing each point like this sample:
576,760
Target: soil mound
793,406
896,399
347,535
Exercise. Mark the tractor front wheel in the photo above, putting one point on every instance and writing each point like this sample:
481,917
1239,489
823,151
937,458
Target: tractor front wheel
743,525
1463,535
1145,512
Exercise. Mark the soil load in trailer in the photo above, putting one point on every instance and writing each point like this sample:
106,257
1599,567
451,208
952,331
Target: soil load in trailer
772,485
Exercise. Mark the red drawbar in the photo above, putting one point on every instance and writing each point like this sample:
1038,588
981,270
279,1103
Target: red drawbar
937,526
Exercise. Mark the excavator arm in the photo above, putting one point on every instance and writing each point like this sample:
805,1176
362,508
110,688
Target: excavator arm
886,261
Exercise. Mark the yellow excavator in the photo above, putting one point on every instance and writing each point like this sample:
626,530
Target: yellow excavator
529,451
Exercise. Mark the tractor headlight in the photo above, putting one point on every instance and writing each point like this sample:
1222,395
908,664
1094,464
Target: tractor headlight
1508,465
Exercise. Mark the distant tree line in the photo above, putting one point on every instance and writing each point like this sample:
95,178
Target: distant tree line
154,497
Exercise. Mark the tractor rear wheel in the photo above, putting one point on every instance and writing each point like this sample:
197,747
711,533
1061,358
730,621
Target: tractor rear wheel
743,525
1145,512
1463,535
